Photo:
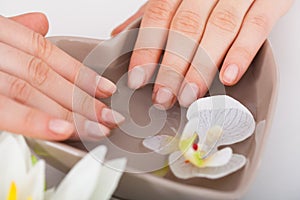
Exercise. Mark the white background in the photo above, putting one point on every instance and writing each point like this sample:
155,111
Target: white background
279,174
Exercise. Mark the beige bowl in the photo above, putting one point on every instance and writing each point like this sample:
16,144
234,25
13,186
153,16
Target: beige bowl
257,91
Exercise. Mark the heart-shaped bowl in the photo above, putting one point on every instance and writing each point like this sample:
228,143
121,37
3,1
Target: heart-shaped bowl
257,91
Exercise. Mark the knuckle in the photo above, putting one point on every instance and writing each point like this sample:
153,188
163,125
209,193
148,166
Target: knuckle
86,103
76,71
29,118
68,116
225,20
159,10
179,66
147,53
42,47
188,22
245,53
19,90
37,71
260,22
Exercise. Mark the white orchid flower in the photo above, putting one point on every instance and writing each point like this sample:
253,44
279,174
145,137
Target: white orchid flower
212,122
90,178
18,178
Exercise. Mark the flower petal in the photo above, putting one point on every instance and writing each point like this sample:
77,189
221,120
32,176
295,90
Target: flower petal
184,170
108,180
162,144
13,164
34,184
81,181
49,193
21,141
234,118
220,158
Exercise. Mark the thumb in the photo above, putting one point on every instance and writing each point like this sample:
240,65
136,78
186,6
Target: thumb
38,22
122,26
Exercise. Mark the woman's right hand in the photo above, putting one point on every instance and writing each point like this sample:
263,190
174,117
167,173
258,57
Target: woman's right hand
44,92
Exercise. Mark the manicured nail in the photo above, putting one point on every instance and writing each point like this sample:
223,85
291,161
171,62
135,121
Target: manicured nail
112,117
136,78
95,130
231,73
164,96
61,127
105,85
189,94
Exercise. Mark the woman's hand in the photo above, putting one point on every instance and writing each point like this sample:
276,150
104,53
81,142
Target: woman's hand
230,32
45,93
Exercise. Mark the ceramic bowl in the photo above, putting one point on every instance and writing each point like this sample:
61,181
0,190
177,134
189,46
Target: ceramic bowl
257,91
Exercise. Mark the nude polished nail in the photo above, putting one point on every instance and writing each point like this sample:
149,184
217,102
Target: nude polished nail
95,130
61,127
189,94
105,85
164,97
111,116
231,73
136,78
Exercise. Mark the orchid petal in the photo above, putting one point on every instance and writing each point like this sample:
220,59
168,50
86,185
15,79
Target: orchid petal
162,144
234,118
184,170
220,158
108,180
87,170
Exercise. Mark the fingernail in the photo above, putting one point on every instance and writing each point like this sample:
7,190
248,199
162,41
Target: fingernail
105,85
95,130
136,78
61,127
112,117
231,73
164,96
189,94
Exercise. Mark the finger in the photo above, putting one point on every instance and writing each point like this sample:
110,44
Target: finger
222,27
38,22
20,119
187,27
23,93
151,41
256,28
125,24
71,69
43,78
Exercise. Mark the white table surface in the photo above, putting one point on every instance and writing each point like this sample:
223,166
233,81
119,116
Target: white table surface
278,176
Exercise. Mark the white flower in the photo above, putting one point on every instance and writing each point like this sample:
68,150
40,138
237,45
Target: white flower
90,178
19,179
212,122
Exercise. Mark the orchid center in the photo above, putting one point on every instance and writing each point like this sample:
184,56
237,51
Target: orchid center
196,151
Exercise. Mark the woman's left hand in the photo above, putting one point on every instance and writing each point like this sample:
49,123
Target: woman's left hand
231,33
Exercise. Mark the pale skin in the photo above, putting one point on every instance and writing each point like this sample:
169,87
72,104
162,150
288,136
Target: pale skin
231,32
37,84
